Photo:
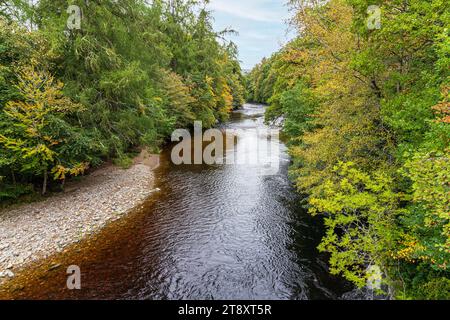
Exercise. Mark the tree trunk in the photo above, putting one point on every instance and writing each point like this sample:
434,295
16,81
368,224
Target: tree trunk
44,184
13,177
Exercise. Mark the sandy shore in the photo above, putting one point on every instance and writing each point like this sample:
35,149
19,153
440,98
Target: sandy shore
35,231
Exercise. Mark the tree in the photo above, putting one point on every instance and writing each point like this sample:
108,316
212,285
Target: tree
29,136
139,70
357,105
360,213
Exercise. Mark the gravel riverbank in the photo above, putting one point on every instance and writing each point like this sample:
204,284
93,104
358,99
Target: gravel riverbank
35,231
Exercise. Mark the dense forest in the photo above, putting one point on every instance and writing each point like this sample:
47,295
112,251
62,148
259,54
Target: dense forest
367,114
365,109
75,93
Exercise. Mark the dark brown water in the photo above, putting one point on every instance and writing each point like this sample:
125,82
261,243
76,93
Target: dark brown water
213,232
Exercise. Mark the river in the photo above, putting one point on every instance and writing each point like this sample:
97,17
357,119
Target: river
212,232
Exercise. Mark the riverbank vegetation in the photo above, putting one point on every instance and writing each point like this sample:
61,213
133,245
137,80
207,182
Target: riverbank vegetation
74,93
367,111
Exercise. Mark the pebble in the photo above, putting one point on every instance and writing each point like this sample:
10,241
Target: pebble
7,274
37,230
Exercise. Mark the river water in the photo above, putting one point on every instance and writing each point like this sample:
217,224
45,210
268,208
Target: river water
212,232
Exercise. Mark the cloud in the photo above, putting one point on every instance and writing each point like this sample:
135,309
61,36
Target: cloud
260,24
255,10
255,35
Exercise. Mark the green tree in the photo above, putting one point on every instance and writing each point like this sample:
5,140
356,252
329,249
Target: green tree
28,136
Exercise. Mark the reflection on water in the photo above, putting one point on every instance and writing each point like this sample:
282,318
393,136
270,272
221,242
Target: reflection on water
213,232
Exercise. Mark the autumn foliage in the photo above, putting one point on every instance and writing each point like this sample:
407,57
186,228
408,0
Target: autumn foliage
367,114
71,99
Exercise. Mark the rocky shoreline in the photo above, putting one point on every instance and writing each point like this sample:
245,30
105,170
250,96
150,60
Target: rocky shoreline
35,231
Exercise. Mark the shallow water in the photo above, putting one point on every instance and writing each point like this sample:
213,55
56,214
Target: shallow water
213,232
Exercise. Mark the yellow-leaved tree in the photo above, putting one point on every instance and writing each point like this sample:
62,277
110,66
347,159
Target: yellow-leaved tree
30,137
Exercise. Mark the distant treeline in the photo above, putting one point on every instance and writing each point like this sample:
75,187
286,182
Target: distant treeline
366,106
82,82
